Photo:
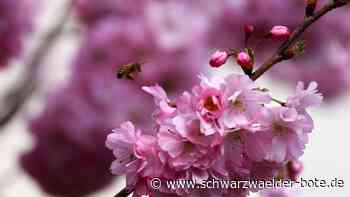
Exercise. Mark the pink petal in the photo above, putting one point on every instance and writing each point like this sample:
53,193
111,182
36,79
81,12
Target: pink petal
170,143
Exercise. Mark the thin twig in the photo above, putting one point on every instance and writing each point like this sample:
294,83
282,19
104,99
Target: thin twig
17,96
279,55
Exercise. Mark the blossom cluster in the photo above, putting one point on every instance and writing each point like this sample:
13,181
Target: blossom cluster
225,128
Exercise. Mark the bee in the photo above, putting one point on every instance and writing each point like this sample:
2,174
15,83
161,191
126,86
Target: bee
129,71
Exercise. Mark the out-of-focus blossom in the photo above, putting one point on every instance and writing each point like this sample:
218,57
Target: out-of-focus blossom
15,21
168,21
90,11
114,42
67,155
222,130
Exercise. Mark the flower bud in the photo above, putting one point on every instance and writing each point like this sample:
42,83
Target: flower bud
280,32
218,59
245,61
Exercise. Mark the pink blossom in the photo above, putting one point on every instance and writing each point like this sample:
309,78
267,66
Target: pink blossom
305,97
207,100
187,146
222,129
122,142
288,130
90,11
168,22
137,156
209,103
162,101
233,150
242,99
255,144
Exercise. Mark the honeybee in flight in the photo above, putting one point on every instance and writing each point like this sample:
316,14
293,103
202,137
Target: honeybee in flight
129,71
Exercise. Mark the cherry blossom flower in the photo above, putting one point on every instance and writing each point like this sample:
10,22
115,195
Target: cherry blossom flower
223,129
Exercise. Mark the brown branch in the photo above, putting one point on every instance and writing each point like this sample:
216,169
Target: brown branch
17,96
279,55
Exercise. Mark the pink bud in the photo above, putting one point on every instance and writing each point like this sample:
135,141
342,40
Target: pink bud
245,61
280,32
218,59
